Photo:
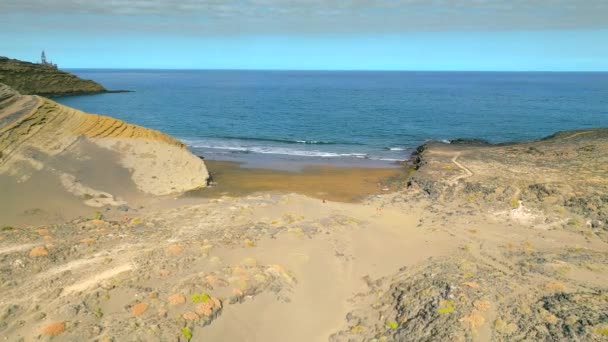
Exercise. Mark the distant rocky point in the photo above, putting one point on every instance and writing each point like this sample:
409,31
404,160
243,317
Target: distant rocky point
40,79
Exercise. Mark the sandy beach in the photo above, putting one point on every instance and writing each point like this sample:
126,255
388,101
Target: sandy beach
334,183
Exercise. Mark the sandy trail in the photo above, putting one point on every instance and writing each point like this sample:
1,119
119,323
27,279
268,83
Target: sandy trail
70,266
467,173
330,269
14,249
96,279
122,252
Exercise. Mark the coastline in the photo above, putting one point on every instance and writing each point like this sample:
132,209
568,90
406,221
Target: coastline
447,249
57,95
473,242
326,182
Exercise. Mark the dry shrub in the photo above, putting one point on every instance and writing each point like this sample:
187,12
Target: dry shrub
38,252
474,320
555,286
53,329
482,305
139,309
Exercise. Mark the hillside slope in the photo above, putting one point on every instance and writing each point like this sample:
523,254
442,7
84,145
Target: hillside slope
36,79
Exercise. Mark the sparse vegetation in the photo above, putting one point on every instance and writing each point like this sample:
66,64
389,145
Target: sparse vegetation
576,222
187,333
200,297
392,325
98,215
603,330
446,307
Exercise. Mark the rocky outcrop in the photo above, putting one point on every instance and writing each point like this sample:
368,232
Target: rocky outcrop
464,298
561,180
37,79
38,134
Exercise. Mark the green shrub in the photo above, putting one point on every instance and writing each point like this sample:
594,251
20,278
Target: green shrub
187,333
200,297
392,325
446,307
602,331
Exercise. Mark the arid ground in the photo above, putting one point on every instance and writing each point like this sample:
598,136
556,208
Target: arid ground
483,242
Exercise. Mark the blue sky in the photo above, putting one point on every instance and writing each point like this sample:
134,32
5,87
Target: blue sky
544,35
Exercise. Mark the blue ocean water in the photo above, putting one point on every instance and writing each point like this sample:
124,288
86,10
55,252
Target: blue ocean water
362,117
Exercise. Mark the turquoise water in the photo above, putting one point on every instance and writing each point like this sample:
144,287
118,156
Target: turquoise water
351,117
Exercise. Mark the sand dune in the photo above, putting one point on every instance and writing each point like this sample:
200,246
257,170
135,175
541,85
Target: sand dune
94,156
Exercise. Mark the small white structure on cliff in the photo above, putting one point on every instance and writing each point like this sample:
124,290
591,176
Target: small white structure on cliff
43,61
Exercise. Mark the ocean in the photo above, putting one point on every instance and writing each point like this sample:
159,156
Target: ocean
364,118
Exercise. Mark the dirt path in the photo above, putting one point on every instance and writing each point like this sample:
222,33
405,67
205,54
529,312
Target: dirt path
467,173
16,248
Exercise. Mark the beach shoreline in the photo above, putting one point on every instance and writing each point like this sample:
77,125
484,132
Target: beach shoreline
326,182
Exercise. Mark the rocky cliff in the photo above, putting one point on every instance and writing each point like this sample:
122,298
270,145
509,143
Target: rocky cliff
31,78
88,153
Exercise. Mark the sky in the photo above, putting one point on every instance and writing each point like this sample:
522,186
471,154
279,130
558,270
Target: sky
501,35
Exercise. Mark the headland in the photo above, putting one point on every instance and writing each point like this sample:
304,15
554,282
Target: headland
45,80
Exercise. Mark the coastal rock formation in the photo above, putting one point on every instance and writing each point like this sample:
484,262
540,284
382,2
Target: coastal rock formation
558,181
530,222
31,78
466,298
88,151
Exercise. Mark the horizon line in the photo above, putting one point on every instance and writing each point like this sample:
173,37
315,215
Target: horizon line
334,70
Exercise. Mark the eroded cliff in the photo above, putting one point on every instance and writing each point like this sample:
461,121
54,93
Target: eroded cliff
86,151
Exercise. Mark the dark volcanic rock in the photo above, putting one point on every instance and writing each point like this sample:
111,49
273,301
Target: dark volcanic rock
468,141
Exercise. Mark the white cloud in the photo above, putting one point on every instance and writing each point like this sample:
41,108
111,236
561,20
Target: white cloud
313,16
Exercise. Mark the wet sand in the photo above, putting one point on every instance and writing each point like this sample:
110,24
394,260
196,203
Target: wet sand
332,183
